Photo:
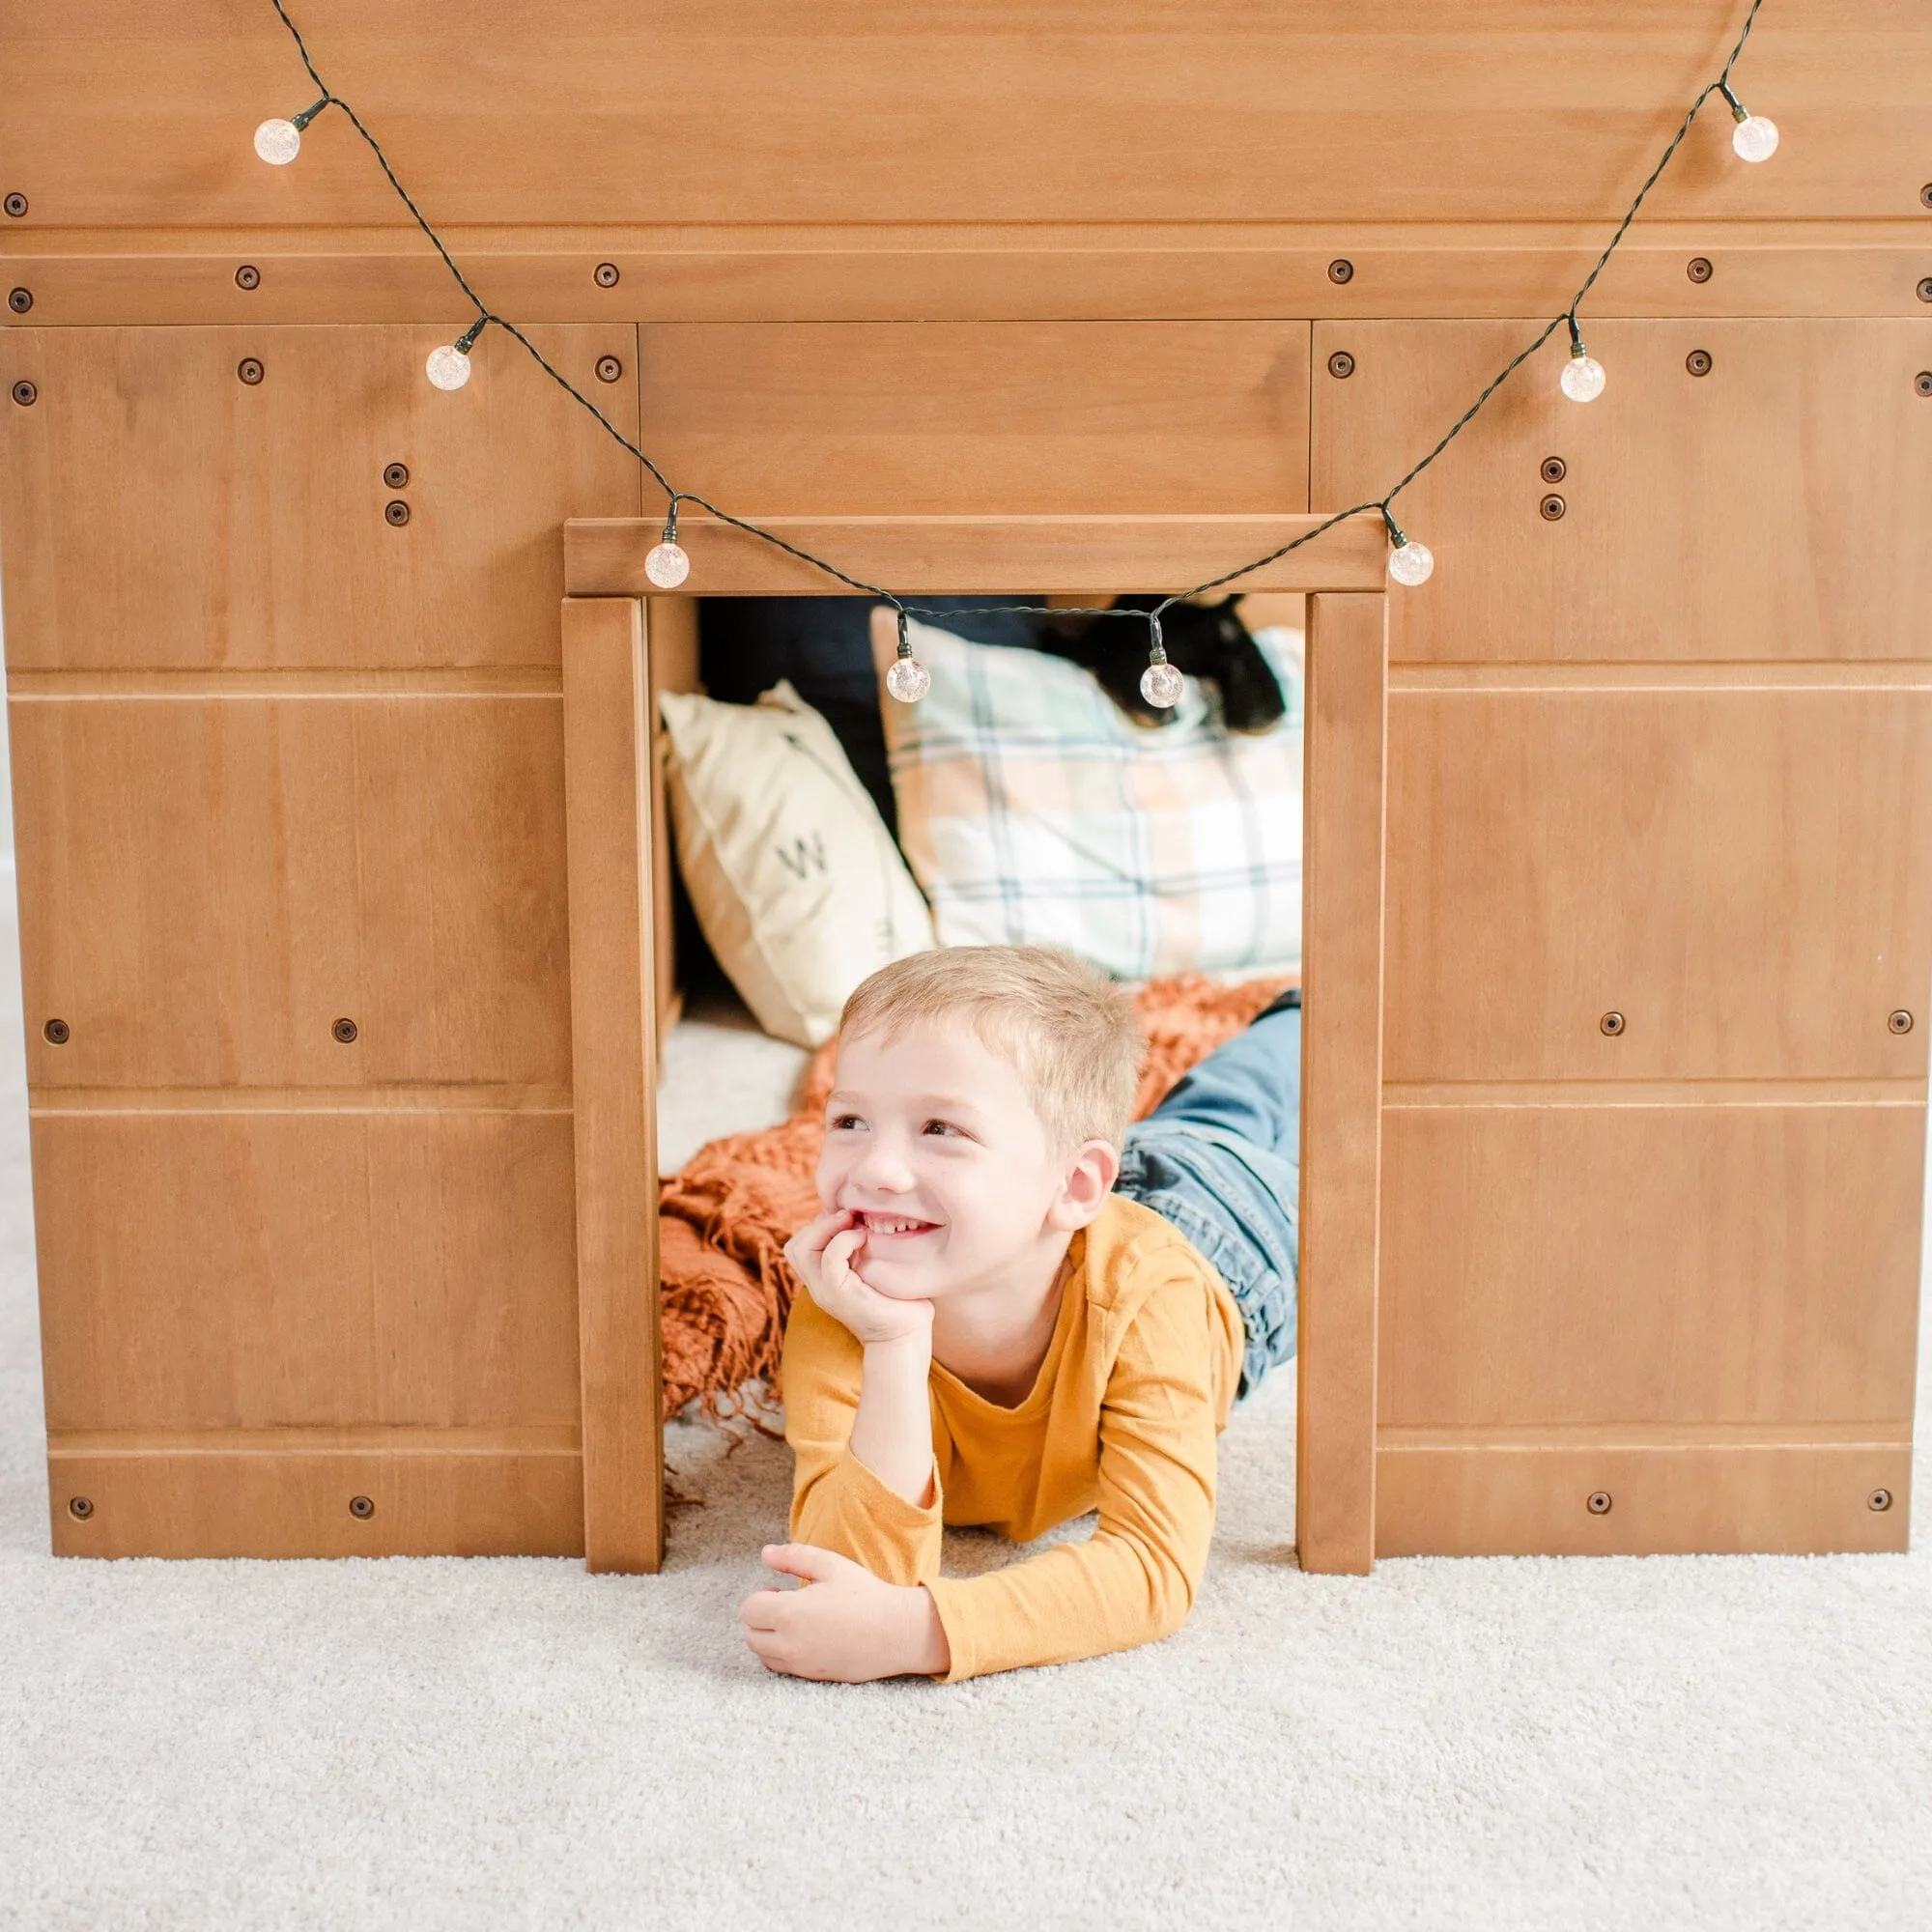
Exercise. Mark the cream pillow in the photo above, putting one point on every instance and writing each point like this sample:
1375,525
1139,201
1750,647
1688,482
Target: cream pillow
796,882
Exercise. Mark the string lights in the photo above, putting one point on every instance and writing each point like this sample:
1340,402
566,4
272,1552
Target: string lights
1753,137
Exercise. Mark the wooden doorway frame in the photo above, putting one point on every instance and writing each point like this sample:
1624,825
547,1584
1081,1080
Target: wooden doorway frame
618,855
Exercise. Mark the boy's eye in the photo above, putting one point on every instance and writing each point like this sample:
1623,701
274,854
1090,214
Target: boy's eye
842,1121
940,1127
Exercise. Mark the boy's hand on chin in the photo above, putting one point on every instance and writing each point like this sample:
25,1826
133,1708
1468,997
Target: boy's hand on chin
847,1628
821,1252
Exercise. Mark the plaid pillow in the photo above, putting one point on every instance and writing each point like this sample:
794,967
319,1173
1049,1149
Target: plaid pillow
1033,812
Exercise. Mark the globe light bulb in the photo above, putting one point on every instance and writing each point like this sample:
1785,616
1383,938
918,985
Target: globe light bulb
1162,685
1582,379
1754,138
1411,563
448,367
667,565
908,680
280,142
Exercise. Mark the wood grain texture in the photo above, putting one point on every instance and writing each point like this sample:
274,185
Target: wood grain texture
1099,556
208,884
1530,1498
1703,1262
962,418
156,511
1738,873
608,776
1693,527
1345,709
503,1496
671,647
236,1270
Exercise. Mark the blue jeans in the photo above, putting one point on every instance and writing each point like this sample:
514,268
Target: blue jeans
1221,1158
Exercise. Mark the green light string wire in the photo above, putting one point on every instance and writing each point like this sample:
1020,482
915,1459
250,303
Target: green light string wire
485,317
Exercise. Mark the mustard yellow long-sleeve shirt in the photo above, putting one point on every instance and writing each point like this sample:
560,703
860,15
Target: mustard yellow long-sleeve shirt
1136,1386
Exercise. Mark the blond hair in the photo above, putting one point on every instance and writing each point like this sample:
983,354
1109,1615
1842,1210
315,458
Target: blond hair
1070,1033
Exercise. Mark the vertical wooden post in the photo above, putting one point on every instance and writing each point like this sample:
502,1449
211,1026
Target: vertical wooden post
1347,738
607,764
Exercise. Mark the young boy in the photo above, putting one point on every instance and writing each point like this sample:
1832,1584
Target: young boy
1016,1308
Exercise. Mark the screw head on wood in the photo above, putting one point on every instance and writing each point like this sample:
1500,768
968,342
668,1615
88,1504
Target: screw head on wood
1899,1021
1340,270
1878,1499
20,301
1611,1024
1924,290
362,1508
344,1030
81,1508
17,204
396,511
1341,366
1925,195
56,1033
247,276
606,274
249,369
1598,1502
1698,361
1922,381
24,392
609,368
1698,269
395,475
1552,507
1554,469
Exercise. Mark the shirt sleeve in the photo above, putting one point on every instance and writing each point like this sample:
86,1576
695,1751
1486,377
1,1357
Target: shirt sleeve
1134,1579
838,1502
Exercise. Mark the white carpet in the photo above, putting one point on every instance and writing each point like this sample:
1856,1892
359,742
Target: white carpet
1658,1742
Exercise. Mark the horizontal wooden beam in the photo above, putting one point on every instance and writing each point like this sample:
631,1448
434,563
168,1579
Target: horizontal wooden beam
604,557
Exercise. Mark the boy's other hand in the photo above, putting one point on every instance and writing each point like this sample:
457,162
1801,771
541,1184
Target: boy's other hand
822,1253
848,1628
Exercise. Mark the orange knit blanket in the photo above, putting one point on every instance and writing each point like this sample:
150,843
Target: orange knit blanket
726,1216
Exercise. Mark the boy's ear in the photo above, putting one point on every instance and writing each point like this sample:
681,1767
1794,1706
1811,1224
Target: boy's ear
1090,1180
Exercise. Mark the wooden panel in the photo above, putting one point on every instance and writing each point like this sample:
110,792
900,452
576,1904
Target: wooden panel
1099,556
1531,1498
208,884
1690,529
607,781
503,1496
671,647
962,418
1546,1262
157,511
1739,872
1340,1081
1164,110
239,1269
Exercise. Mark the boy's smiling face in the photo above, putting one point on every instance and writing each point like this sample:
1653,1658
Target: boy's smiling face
933,1140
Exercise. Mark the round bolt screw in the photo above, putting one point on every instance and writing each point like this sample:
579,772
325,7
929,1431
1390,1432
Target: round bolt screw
1698,361
24,392
606,274
362,1508
609,368
397,511
1554,469
1552,507
1900,1021
247,276
17,204
1698,269
1341,366
249,370
81,1508
1922,381
56,1033
20,301
1924,290
1340,270
396,474
1611,1024
344,1030
1878,1499
1599,1502
1925,195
